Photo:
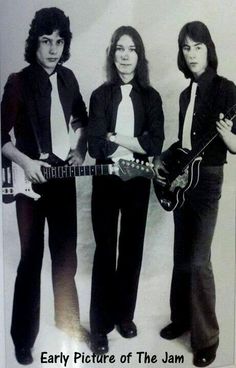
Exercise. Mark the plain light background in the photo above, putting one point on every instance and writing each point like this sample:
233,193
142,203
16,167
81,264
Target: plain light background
158,22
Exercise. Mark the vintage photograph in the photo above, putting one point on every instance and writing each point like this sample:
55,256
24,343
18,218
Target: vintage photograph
118,213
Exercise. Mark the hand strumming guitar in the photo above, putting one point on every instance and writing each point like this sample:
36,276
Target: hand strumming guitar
160,169
31,167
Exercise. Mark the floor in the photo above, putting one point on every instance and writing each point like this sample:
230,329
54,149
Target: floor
152,311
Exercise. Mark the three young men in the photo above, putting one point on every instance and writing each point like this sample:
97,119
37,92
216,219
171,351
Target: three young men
34,99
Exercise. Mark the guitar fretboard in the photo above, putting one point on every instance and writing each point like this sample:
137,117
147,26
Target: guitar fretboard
209,137
59,172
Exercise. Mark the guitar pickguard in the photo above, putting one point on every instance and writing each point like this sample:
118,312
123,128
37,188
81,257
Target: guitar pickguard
180,182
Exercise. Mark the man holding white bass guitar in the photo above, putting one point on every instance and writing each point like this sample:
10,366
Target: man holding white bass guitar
189,181
39,103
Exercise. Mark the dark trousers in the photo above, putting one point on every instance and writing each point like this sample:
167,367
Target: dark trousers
58,206
193,290
116,268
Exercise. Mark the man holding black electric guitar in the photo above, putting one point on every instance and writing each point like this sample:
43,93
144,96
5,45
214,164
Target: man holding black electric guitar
189,181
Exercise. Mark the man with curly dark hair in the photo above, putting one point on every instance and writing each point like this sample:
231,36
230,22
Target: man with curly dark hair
42,104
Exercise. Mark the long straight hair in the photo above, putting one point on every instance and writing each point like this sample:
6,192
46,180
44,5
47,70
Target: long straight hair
141,71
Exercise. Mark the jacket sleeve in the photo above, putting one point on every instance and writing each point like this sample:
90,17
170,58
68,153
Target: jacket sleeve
11,106
231,103
168,155
152,139
79,111
98,146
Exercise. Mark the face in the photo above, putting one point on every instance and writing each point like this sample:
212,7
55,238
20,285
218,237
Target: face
126,57
50,49
195,54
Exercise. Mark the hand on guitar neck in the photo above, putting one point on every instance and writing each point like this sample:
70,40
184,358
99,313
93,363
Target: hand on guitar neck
224,128
33,170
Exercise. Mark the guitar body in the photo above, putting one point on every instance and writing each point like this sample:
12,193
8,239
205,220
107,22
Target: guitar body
179,182
183,170
15,183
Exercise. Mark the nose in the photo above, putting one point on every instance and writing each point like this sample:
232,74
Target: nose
192,53
125,54
53,48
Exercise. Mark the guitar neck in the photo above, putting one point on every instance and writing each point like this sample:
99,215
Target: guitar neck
210,137
196,152
60,172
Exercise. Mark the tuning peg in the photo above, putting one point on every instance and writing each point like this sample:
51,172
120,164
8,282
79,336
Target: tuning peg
142,162
137,160
147,164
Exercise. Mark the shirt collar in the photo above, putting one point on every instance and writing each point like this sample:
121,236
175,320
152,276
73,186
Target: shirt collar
41,78
205,79
133,82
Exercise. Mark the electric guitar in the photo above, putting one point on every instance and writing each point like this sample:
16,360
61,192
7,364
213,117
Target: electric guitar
183,171
14,181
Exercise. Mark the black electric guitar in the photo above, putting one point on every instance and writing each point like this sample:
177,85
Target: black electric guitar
183,171
14,181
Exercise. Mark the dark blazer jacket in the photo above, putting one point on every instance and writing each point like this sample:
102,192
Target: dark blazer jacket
26,105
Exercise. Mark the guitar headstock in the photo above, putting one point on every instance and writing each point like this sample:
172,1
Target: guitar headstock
127,170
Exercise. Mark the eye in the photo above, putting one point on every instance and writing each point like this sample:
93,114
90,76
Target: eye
119,48
60,42
132,49
185,48
45,41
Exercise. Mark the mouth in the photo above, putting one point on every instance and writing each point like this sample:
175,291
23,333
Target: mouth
52,60
193,64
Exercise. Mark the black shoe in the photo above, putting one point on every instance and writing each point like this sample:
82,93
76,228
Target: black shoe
99,343
23,355
204,357
127,329
172,331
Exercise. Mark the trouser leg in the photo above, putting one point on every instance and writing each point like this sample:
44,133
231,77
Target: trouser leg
132,230
62,223
26,303
193,288
180,295
105,212
204,325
